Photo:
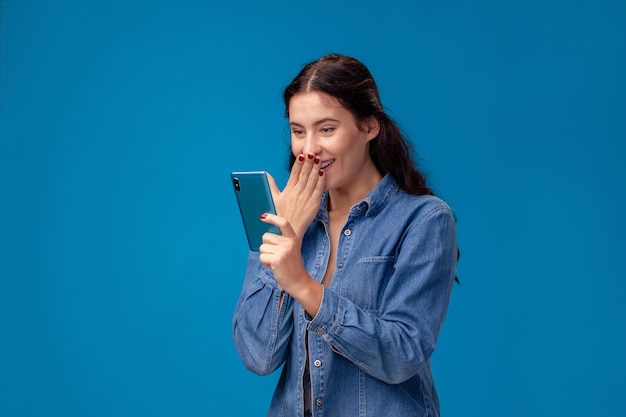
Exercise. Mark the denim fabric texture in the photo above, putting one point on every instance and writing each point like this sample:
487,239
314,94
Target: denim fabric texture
371,341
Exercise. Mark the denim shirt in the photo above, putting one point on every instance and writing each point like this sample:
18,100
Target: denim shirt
369,346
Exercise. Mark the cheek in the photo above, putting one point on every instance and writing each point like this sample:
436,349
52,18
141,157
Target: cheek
296,148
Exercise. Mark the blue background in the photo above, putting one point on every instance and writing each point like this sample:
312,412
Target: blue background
121,249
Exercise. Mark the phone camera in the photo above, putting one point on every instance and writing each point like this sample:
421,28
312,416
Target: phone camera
236,182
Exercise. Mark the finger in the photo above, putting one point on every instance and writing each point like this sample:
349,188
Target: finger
269,239
295,170
265,260
307,166
314,175
285,228
319,186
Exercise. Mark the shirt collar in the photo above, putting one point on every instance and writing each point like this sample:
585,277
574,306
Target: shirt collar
374,202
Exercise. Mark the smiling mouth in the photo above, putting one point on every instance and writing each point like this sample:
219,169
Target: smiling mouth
326,163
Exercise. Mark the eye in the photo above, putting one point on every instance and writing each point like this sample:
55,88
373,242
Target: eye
297,132
328,129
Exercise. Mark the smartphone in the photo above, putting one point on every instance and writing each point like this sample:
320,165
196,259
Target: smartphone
254,198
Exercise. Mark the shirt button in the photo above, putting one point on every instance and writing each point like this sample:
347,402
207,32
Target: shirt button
319,330
319,402
317,363
347,232
358,208
340,265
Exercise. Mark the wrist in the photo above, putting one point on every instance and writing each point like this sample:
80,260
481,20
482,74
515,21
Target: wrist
309,294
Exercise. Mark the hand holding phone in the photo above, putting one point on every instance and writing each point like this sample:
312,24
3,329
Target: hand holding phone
254,198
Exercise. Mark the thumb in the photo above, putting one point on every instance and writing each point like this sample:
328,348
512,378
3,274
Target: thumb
273,186
284,226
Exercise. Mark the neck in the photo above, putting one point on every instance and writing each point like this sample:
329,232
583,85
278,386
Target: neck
342,199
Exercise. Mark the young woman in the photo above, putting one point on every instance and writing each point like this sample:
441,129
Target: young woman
350,297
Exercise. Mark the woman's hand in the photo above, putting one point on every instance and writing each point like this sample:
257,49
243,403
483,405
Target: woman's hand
299,202
282,254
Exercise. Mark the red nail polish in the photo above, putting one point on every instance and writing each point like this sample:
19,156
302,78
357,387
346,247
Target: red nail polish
263,216
321,172
317,160
301,158
311,156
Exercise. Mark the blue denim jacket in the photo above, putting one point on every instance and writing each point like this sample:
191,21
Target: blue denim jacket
370,343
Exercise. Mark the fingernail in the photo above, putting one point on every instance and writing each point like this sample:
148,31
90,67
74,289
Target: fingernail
317,160
301,158
263,216
321,172
311,156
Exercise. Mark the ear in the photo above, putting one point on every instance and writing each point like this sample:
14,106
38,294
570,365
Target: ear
371,126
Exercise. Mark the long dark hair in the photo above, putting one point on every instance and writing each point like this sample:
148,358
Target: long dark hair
350,82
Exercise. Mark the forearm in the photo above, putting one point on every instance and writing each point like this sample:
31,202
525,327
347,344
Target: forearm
307,292
391,349
262,322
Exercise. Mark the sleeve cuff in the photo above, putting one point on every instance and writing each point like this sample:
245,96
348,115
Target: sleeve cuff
328,317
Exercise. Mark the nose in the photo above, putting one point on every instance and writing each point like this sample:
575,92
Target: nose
311,145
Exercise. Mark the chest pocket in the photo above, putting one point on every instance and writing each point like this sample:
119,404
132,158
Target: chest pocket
367,280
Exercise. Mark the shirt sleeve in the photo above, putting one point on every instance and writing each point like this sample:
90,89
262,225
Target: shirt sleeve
395,343
263,320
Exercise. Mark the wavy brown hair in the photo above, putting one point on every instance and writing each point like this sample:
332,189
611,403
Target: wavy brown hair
350,82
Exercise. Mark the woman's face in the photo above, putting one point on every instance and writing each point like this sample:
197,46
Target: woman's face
321,126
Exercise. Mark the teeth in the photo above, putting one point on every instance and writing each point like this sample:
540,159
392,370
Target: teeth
325,164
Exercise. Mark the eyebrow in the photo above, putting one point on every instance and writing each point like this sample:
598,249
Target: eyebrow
317,123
